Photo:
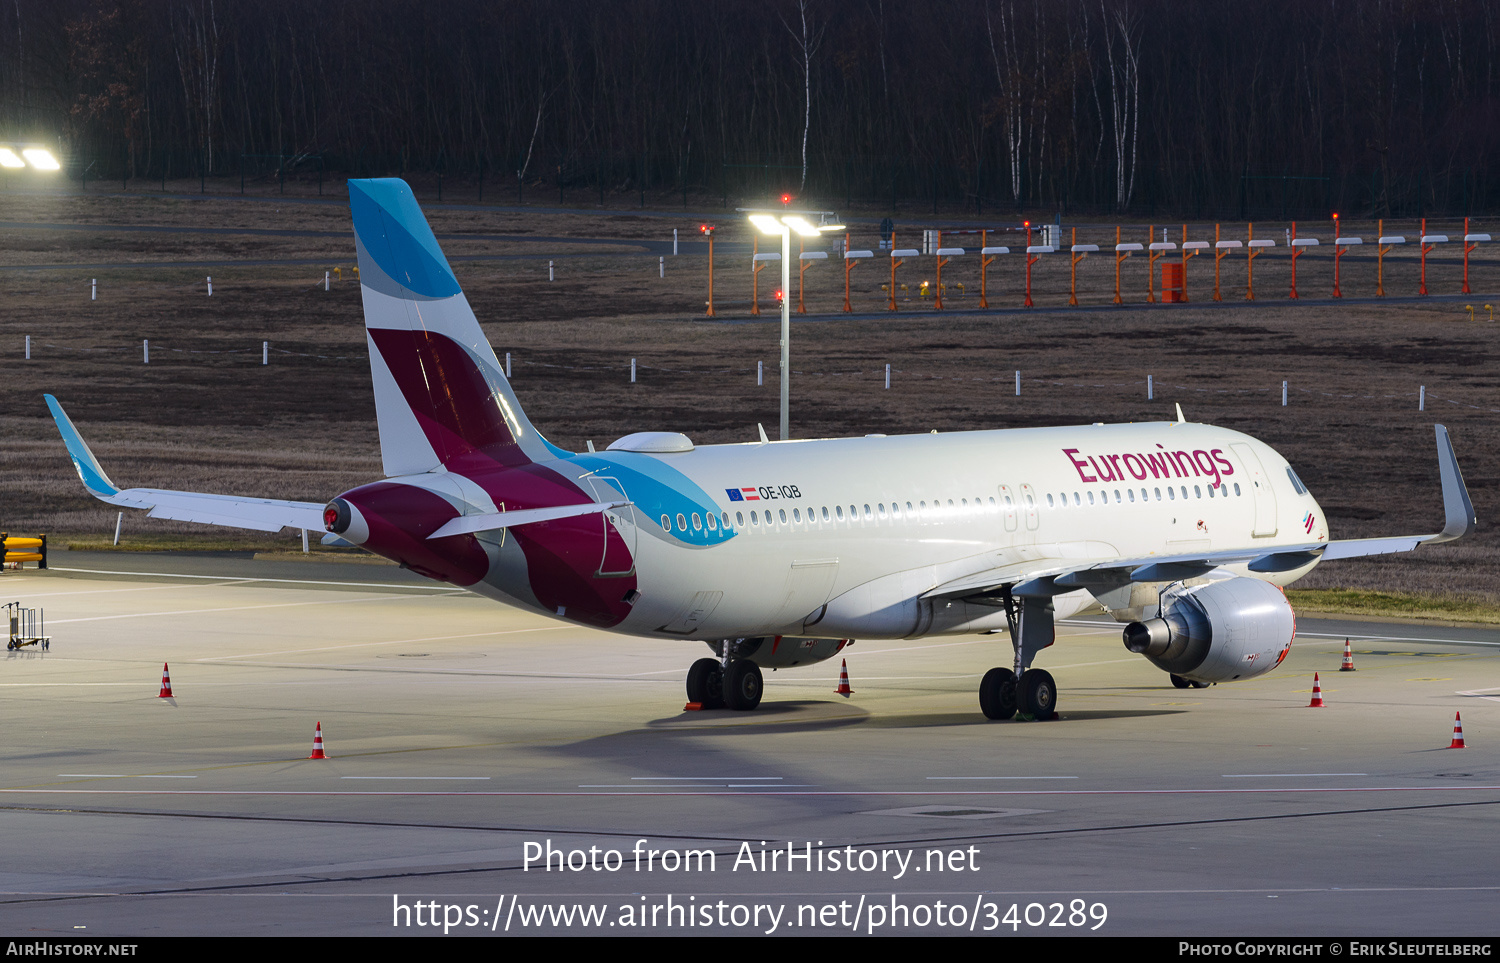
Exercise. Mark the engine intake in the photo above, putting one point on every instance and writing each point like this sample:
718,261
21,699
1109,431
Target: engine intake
1221,631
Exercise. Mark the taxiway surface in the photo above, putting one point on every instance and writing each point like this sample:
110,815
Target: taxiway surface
459,731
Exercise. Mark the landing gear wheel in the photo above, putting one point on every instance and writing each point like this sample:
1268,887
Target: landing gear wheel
997,694
1178,682
705,684
742,685
1036,694
1199,685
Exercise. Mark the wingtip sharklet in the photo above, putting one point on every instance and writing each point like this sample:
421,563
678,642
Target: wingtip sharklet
90,472
1458,508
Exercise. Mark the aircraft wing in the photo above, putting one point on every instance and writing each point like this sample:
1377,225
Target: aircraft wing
261,514
1459,520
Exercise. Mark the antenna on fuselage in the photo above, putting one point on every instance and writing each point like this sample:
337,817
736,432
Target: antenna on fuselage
762,429
1180,419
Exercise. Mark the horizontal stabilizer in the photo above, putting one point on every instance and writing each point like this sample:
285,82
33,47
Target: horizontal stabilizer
469,524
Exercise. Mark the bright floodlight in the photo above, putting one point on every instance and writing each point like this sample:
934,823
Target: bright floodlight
8,158
800,224
40,159
766,223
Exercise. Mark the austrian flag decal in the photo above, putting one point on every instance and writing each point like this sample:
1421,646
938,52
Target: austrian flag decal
742,494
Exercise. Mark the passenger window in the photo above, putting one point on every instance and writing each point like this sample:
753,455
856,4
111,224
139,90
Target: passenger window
796,514
754,518
1236,489
1091,498
868,513
1158,494
1171,494
782,513
739,519
1118,499
839,511
713,523
697,522
666,524
681,522
1132,493
1197,491
1049,500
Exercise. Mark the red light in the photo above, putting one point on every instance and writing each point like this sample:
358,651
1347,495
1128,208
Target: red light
778,297
786,199
707,229
1028,224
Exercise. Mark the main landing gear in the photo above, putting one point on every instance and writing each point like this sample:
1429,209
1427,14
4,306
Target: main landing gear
1005,693
715,685
1178,682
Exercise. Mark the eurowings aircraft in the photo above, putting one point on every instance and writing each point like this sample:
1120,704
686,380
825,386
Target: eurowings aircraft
778,554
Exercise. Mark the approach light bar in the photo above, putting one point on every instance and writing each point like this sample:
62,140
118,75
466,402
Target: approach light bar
8,158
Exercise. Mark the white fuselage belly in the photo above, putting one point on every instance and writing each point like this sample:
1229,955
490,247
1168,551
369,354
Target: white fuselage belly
917,511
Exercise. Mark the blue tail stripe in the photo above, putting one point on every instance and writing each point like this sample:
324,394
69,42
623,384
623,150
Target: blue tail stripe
394,231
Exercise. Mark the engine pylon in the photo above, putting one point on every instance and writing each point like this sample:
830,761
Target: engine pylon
1317,698
843,688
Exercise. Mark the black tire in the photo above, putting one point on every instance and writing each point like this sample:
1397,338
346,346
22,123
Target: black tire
1199,685
1036,694
743,685
1178,682
997,694
705,684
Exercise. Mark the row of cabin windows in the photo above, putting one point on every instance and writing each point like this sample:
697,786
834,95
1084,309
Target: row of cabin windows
894,511
1221,490
879,510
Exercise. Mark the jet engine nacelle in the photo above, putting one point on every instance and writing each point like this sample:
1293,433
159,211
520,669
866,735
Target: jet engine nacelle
782,651
1235,628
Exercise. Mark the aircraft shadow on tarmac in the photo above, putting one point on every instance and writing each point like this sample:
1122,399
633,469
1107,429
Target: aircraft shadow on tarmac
805,716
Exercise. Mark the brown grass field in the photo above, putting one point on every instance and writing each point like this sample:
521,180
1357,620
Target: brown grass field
205,414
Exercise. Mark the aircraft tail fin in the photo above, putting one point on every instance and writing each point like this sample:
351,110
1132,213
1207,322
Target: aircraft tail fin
440,394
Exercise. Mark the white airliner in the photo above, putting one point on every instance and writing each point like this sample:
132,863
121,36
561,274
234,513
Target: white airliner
779,554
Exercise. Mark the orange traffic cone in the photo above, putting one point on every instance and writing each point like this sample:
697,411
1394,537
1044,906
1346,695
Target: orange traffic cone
843,688
1348,665
317,752
1317,699
166,684
1458,733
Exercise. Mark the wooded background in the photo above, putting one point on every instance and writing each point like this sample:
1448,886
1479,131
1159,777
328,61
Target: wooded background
1374,107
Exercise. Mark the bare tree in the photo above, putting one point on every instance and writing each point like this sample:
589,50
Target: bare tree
808,37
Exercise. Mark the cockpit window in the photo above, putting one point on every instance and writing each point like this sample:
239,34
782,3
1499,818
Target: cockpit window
1296,482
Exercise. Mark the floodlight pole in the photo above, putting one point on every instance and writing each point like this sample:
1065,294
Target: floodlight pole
786,331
